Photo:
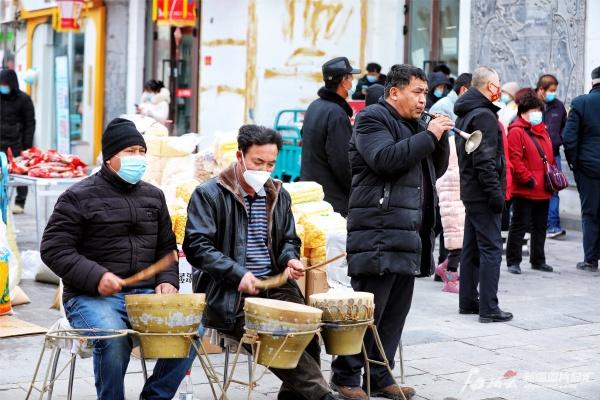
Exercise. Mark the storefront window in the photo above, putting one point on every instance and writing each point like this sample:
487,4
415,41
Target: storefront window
433,33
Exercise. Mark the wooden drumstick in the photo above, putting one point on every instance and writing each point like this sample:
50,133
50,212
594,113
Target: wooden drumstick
152,270
280,279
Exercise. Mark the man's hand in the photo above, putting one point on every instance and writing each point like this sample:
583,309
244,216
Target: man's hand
247,284
295,269
109,284
165,288
439,125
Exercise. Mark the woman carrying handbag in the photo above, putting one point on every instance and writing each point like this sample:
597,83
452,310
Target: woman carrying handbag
530,151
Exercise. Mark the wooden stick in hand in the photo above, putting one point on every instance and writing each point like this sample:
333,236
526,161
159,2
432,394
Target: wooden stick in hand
152,270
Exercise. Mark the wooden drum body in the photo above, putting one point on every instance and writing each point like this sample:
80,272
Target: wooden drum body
284,330
346,317
167,314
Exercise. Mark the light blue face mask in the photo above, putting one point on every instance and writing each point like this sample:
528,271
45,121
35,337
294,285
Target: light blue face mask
550,96
371,78
505,98
535,118
438,93
4,89
132,168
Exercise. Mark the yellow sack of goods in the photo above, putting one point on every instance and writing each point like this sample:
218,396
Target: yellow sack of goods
225,147
300,233
303,210
172,146
317,255
178,220
184,190
304,192
316,228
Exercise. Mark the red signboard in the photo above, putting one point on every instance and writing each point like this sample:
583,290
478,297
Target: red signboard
174,12
183,92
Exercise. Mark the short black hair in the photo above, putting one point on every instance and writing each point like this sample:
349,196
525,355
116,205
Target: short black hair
373,67
335,81
443,68
462,80
153,86
529,101
400,76
546,81
250,135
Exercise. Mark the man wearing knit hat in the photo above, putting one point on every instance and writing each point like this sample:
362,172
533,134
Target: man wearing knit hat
104,229
581,141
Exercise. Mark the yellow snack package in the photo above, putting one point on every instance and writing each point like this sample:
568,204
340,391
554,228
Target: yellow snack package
5,305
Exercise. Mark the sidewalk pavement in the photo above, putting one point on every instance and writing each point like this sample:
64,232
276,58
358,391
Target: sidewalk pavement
550,351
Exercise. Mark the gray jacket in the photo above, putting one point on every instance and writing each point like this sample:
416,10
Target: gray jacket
446,105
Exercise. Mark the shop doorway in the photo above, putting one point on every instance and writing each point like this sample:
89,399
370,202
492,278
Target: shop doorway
432,33
173,58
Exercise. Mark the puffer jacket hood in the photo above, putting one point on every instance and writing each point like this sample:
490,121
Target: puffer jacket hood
9,77
472,99
438,78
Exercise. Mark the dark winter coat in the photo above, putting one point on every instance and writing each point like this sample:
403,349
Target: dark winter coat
483,172
326,132
17,116
528,171
215,241
581,137
555,118
364,83
434,79
103,224
385,217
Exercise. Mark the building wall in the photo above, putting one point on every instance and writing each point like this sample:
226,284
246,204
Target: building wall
523,39
259,56
592,41
117,22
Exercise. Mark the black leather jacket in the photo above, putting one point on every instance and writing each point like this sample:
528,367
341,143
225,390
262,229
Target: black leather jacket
215,241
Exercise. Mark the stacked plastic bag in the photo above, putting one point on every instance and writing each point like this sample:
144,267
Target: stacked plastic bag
304,192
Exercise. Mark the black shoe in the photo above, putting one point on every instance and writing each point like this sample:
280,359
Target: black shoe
499,316
586,266
514,269
542,267
474,309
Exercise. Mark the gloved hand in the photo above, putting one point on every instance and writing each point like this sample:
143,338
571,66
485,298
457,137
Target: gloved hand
496,204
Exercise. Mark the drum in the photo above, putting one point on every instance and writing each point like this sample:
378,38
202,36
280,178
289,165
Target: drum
164,315
284,330
346,316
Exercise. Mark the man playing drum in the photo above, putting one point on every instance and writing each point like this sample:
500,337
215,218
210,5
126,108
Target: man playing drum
240,229
105,228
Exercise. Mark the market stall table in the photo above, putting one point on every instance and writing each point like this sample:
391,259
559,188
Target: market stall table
43,188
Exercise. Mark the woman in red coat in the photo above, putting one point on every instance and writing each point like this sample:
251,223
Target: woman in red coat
530,198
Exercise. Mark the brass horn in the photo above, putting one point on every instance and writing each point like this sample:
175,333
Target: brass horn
473,140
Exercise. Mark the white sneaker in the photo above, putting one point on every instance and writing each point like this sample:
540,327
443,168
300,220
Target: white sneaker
17,209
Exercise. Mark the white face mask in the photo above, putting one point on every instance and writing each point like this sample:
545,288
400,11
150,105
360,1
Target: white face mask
255,179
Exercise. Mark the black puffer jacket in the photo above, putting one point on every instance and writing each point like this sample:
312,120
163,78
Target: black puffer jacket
215,241
326,132
483,172
103,224
385,216
581,136
17,116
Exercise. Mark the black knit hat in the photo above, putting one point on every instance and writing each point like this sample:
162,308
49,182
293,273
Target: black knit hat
596,73
118,135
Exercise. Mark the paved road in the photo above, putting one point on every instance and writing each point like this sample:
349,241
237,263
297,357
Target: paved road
550,351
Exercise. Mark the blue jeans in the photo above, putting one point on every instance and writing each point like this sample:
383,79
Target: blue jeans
111,357
553,208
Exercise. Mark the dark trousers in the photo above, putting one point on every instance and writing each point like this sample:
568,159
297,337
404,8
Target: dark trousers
506,216
529,215
21,196
306,380
589,194
439,231
393,297
480,259
454,259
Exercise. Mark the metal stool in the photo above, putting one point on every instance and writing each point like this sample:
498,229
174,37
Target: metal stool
228,342
76,340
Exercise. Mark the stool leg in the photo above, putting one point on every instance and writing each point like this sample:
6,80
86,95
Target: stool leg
226,366
144,369
53,373
250,366
37,368
71,377
401,363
